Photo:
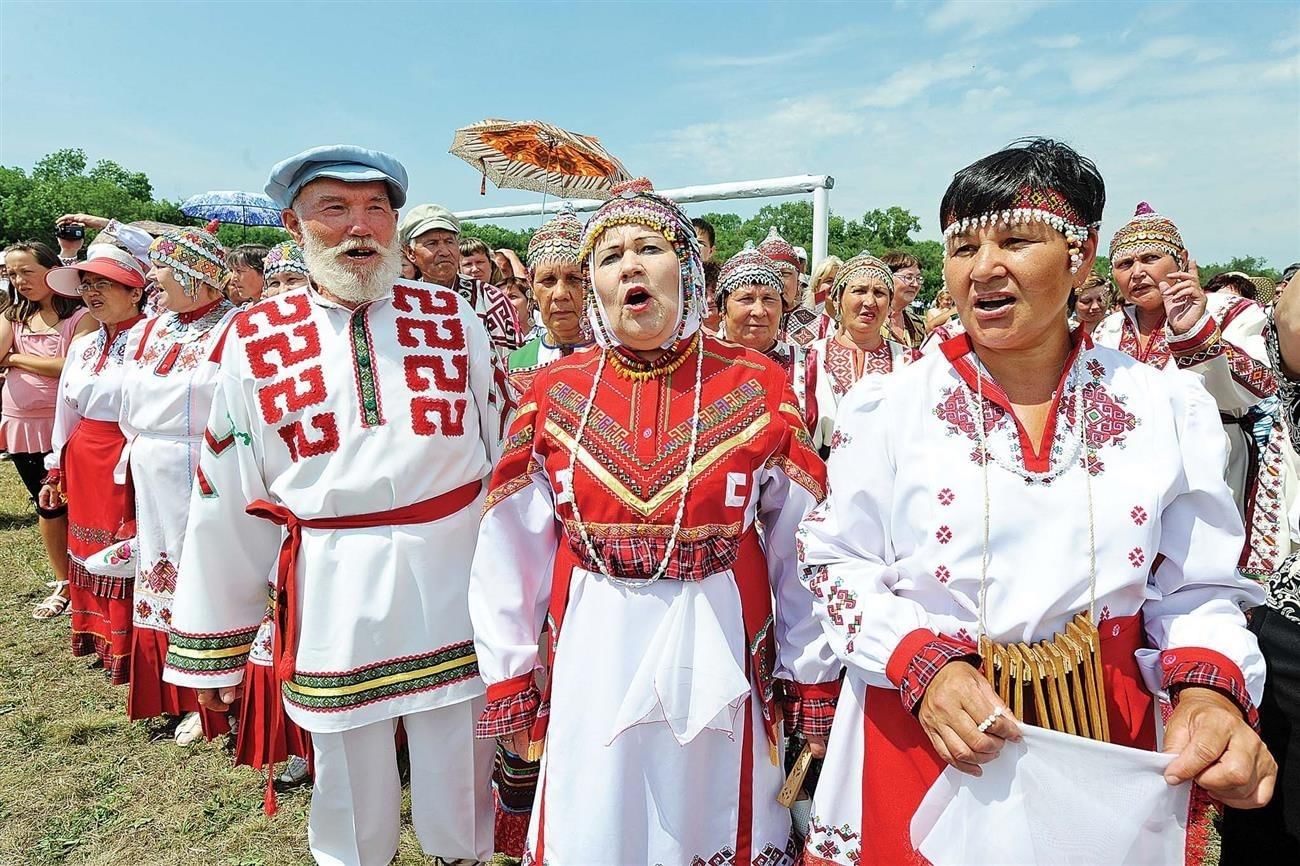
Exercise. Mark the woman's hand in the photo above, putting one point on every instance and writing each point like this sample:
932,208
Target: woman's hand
956,702
50,497
516,743
1184,298
219,700
1219,750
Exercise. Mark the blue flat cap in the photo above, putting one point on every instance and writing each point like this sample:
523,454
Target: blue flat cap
345,162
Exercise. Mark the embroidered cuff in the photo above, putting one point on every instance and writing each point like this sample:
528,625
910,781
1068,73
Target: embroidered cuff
53,476
512,706
1196,666
920,655
210,655
1201,343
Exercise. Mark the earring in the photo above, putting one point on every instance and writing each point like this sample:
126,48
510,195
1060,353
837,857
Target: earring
1076,259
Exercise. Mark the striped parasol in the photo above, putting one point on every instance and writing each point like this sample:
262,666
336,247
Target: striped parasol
540,157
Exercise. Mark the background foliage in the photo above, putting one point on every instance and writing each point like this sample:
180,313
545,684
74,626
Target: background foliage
62,183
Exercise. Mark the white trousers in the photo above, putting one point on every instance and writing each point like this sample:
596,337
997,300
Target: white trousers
357,799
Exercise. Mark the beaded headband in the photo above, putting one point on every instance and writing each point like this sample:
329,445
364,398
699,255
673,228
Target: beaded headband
861,265
779,250
284,258
194,255
557,240
748,267
635,202
1031,205
1147,231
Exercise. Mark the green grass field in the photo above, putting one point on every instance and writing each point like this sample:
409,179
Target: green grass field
79,784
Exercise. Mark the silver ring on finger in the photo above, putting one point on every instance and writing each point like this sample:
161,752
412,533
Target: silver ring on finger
992,717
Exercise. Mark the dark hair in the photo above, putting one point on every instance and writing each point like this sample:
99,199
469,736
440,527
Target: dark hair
22,309
470,246
897,260
247,256
703,227
1242,284
995,182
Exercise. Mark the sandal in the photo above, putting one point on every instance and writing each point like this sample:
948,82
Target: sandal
55,604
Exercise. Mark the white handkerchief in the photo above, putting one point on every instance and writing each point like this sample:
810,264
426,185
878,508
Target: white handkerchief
1056,799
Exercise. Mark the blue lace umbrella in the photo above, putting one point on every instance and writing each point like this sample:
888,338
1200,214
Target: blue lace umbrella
233,208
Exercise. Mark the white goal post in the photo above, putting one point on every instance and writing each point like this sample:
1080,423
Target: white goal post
817,184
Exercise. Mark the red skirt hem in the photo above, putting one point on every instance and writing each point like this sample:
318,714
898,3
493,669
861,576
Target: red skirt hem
102,626
149,697
256,745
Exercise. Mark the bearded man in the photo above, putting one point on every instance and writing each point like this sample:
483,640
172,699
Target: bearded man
345,455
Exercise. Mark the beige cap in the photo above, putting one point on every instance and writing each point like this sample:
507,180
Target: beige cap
423,218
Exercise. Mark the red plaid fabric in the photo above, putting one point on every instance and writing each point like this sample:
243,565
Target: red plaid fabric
509,714
1195,666
920,655
636,556
809,707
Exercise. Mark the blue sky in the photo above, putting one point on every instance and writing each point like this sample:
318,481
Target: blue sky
1194,107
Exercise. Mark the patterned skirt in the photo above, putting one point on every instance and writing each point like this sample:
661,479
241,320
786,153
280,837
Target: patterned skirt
97,509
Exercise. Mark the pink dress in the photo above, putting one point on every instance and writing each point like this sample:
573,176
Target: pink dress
27,422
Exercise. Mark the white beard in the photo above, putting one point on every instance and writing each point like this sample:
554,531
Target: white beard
355,283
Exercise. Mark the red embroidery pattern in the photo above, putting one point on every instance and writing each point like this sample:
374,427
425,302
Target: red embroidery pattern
944,535
215,445
830,842
943,573
266,330
1157,353
1137,556
162,577
1139,515
443,376
954,411
1255,377
846,364
946,496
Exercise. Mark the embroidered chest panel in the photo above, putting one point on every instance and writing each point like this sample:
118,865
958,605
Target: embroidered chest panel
178,345
846,364
285,357
1106,418
637,438
1157,352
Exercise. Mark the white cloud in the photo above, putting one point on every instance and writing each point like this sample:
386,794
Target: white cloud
808,47
1059,43
1286,43
907,84
973,19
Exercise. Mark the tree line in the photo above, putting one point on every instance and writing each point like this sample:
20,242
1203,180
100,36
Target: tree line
62,183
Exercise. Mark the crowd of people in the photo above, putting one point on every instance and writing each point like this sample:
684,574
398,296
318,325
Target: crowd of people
641,558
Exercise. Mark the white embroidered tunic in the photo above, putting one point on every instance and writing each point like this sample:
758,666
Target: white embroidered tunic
326,414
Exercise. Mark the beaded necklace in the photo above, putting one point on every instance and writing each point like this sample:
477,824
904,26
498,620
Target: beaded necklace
567,475
645,371
1030,478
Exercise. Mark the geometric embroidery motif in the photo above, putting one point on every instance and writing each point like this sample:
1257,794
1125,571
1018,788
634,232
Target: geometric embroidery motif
162,577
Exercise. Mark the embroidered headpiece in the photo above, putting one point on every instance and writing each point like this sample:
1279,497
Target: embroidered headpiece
557,240
635,202
1031,205
194,255
746,268
779,250
861,265
285,257
1147,231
